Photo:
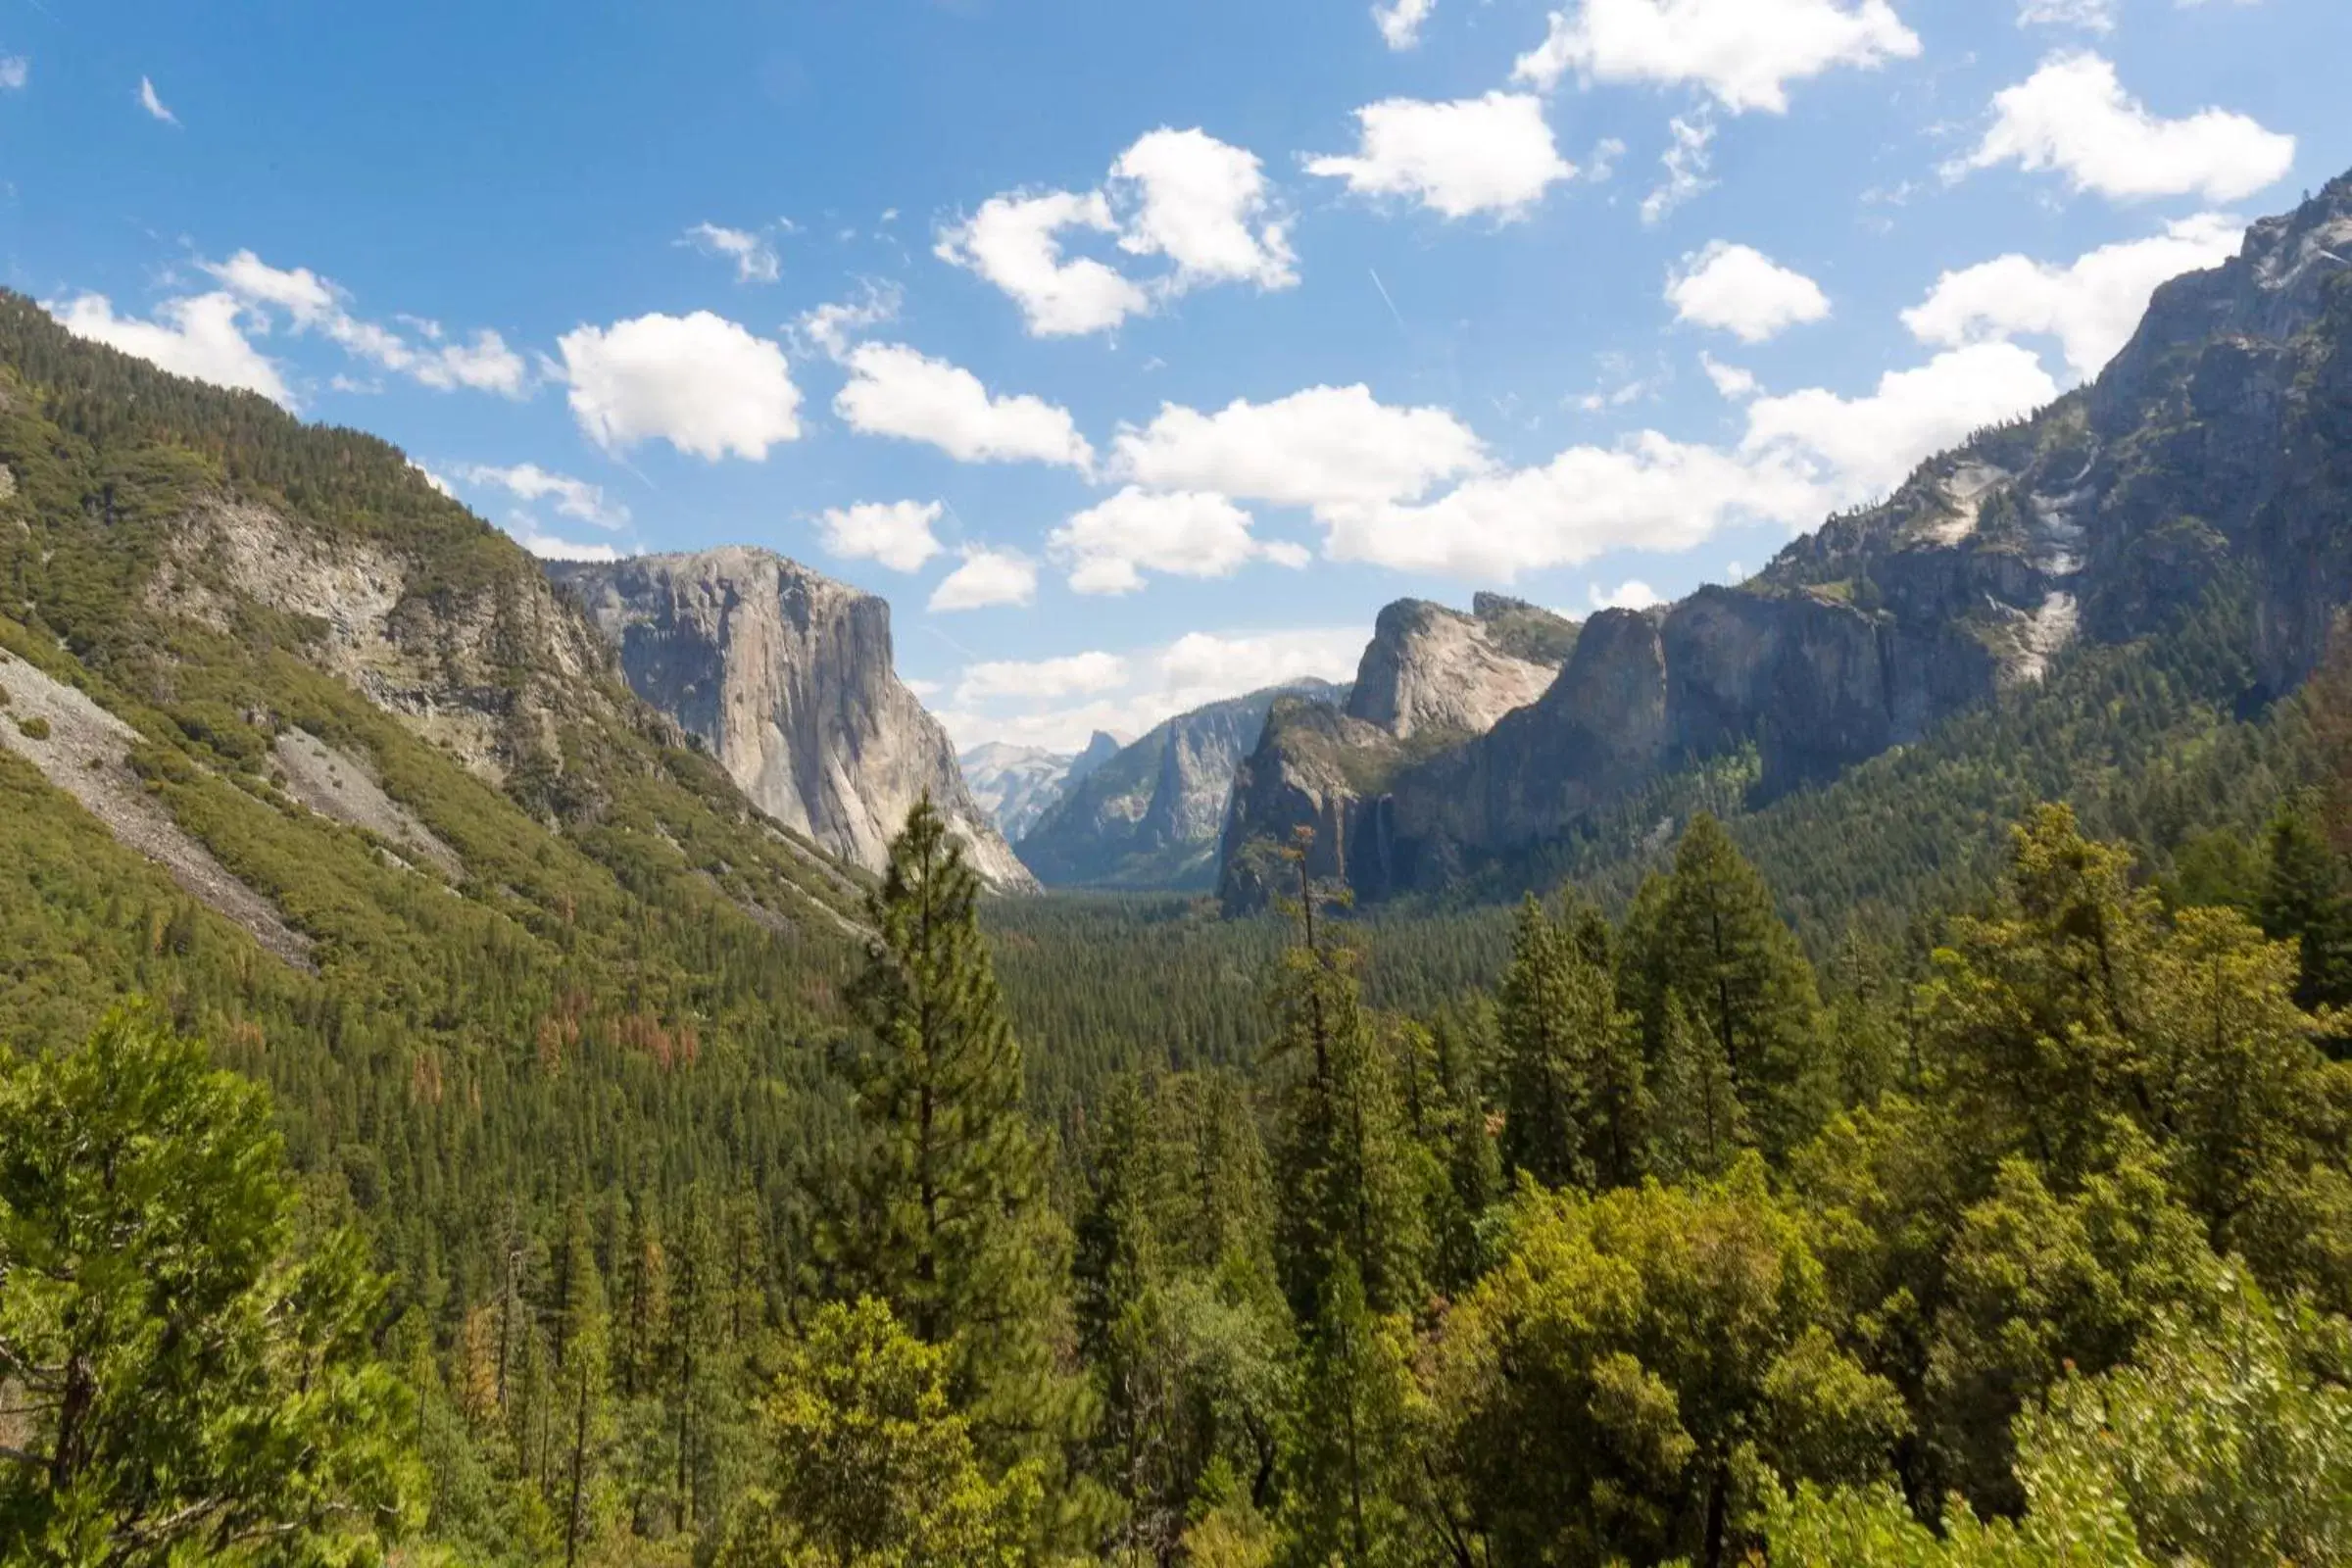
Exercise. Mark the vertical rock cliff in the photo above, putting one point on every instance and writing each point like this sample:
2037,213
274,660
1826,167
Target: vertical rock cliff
787,677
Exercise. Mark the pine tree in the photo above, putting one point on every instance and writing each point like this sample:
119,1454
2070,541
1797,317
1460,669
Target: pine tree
2303,900
1574,1102
1345,1179
1351,1473
583,1351
1701,1125
952,1225
1710,934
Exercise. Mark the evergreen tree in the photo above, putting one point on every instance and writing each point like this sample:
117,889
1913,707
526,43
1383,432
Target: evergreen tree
1575,1107
2303,900
1701,1125
1345,1173
1350,1485
1711,935
952,1225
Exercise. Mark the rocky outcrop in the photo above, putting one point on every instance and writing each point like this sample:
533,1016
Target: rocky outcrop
786,677
1433,669
1152,816
2216,449
1017,785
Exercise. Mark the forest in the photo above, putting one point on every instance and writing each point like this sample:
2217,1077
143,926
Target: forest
2030,1243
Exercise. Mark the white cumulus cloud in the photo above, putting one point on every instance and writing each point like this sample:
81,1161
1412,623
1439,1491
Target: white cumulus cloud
2073,118
1689,156
1857,449
1043,679
700,383
988,579
547,547
1494,154
1741,291
1184,534
1014,242
2092,305
313,304
898,391
1633,594
202,336
832,328
897,534
15,71
1206,206
1744,52
1319,447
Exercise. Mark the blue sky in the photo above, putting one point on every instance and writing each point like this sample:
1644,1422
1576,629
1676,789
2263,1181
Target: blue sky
1166,342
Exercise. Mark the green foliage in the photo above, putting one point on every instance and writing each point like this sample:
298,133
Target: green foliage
185,1341
1576,1110
950,1224
33,728
871,1467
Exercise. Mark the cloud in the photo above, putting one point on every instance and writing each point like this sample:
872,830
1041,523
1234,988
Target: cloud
1323,446
897,534
1744,52
2073,118
1014,243
2092,306
2094,16
1634,594
1475,155
1030,702
1803,454
15,71
1043,679
700,383
1729,380
897,391
546,546
153,104
434,479
313,304
1743,293
1204,205
1687,159
573,498
1184,533
202,336
1858,449
987,578
1400,21
754,258
830,329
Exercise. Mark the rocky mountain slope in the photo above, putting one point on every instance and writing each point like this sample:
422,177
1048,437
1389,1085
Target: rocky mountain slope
787,677
1151,815
1017,785
2215,452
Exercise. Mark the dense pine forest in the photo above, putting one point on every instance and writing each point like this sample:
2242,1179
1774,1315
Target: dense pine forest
1648,1240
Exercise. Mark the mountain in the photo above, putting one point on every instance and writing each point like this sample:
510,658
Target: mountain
786,676
1014,784
2209,457
1149,816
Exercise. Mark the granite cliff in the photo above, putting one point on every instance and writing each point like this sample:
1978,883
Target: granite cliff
1151,815
2215,451
786,677
1017,785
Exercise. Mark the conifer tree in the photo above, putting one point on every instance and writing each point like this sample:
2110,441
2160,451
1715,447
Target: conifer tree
1701,1125
1353,1455
583,1351
1711,935
1345,1169
2303,900
951,1226
1575,1106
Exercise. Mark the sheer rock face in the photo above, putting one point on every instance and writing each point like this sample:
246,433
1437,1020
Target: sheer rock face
1431,668
786,676
2216,446
1014,785
1150,816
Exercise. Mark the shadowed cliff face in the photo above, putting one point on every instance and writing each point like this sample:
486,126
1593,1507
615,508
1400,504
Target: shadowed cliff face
2216,446
1149,816
787,678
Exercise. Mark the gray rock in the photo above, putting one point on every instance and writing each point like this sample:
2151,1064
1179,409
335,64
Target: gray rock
786,676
